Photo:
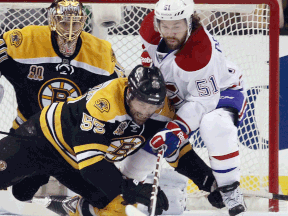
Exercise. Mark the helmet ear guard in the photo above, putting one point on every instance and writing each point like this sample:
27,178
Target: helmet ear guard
146,84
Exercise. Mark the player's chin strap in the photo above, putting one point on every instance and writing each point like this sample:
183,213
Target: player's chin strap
157,171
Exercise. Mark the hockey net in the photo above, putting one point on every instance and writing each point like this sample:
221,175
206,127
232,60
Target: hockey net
243,33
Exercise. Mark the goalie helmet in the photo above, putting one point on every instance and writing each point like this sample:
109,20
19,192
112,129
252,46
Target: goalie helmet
67,18
146,84
174,10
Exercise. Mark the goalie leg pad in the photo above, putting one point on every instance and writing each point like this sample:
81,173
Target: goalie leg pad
219,134
138,165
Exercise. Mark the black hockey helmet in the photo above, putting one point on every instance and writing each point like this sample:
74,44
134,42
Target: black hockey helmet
147,84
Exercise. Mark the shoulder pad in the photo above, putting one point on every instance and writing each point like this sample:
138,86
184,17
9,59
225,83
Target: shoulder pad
96,52
107,102
196,53
147,30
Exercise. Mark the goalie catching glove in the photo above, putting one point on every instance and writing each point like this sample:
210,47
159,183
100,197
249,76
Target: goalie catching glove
172,136
136,192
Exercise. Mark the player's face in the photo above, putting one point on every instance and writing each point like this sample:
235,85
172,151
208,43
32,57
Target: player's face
174,32
141,111
69,26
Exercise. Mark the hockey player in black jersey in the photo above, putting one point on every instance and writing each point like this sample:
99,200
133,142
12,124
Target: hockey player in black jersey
79,141
47,64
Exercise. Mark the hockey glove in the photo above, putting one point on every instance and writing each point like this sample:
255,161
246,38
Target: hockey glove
172,136
134,191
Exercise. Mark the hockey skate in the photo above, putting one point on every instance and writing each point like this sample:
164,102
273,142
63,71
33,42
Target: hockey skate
233,198
62,205
78,206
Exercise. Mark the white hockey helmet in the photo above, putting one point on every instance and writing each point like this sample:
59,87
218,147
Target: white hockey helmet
174,10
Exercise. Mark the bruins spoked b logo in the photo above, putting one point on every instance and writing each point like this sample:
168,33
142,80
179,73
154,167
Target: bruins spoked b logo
123,146
57,90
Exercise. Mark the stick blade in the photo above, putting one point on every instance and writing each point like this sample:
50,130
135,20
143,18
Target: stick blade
132,211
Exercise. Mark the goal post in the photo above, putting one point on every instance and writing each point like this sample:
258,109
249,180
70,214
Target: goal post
248,32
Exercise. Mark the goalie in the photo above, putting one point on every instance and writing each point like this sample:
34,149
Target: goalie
47,64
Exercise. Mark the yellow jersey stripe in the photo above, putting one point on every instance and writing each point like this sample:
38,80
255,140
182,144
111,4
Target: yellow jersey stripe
182,152
2,42
58,128
3,58
3,50
21,116
15,125
90,161
93,146
49,136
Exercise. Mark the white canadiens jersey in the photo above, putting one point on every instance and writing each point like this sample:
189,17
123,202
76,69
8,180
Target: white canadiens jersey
194,75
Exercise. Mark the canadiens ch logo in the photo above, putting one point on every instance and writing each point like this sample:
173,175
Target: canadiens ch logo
57,90
102,104
16,38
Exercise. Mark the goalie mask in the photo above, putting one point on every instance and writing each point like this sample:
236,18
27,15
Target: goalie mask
67,19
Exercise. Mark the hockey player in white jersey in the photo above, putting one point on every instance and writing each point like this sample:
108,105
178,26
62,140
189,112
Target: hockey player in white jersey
206,90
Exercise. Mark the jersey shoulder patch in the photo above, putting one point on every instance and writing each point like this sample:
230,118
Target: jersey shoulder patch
96,52
147,30
107,102
196,53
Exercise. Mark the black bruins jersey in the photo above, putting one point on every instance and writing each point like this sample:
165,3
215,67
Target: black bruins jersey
86,129
31,61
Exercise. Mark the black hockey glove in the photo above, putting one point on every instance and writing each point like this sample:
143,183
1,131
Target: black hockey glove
134,191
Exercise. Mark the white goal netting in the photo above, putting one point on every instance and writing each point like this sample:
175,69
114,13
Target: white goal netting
243,33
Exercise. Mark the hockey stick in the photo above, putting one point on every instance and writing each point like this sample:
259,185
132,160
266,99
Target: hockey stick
266,195
16,136
131,210
6,133
27,138
155,185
